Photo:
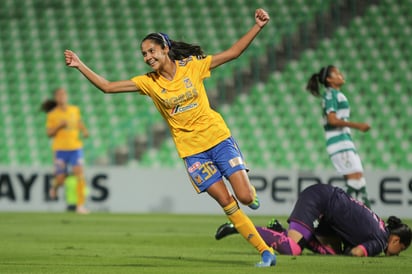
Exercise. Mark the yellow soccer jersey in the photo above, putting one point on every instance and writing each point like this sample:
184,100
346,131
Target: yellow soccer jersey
183,103
66,138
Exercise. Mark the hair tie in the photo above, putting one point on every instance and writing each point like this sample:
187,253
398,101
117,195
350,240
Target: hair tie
166,39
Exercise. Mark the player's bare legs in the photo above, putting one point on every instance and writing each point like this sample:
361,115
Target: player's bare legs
244,191
58,181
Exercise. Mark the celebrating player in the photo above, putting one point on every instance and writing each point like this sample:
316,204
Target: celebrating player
63,125
201,136
327,220
340,146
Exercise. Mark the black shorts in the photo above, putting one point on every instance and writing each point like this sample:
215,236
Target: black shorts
311,206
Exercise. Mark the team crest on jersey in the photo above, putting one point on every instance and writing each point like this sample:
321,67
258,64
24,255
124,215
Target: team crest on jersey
163,91
188,83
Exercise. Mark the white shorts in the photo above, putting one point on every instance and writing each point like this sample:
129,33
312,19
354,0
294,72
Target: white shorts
347,162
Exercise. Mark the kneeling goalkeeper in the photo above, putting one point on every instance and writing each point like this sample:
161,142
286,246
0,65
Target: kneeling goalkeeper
326,220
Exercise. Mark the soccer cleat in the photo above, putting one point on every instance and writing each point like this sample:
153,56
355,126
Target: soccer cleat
275,225
317,247
225,230
268,259
255,205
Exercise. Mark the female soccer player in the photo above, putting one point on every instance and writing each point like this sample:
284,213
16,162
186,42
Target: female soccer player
340,146
327,220
63,125
201,136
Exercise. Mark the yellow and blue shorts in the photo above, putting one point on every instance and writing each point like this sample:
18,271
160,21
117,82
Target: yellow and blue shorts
208,167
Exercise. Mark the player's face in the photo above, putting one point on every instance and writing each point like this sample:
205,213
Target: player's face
61,97
335,78
154,55
394,246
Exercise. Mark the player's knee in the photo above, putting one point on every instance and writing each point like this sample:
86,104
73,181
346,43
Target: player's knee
246,197
225,200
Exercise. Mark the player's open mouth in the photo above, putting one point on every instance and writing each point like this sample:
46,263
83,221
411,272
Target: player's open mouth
152,63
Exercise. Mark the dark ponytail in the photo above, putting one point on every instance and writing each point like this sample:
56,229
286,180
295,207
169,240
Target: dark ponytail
182,50
177,50
48,105
313,83
396,227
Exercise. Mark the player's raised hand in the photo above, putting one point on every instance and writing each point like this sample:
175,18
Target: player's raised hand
261,17
72,60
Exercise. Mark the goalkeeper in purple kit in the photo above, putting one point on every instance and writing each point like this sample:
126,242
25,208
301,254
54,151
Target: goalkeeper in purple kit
326,220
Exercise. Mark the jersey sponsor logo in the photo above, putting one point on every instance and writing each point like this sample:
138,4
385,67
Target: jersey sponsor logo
177,100
179,109
194,167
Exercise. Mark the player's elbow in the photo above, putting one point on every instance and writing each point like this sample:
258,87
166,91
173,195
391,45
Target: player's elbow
105,88
235,54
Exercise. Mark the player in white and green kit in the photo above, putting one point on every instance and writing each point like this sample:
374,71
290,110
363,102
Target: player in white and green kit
339,144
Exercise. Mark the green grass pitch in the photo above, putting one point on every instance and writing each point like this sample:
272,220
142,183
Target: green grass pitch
153,243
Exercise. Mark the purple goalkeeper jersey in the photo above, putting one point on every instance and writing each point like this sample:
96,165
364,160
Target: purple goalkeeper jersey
348,218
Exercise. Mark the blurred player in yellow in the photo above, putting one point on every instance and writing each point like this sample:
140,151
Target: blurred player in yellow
64,125
201,136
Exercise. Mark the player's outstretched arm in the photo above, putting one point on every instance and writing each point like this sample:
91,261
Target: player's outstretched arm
72,60
261,18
